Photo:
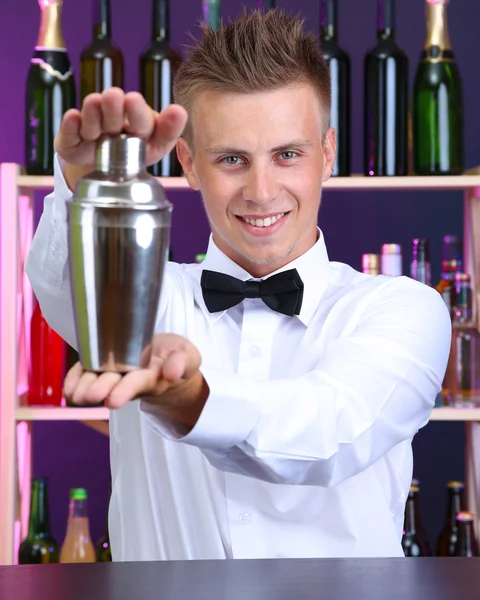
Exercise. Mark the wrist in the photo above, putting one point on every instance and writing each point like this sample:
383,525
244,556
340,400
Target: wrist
187,400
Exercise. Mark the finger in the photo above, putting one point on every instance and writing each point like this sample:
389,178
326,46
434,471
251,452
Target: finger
99,390
91,126
175,367
79,394
131,386
140,117
72,378
113,110
69,133
169,125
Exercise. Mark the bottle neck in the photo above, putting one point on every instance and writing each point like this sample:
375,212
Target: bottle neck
39,522
386,19
410,523
50,35
329,19
454,506
161,20
466,543
211,13
437,35
101,19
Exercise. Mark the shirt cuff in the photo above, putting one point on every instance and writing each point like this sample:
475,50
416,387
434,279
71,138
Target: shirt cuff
62,191
228,417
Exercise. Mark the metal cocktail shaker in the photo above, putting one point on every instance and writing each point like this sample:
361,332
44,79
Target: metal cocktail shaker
118,237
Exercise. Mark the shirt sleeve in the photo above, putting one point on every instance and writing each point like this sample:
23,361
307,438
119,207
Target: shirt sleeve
370,391
47,259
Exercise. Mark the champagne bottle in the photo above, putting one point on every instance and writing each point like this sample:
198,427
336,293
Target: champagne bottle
77,546
50,90
447,539
211,13
101,62
38,547
158,66
414,542
371,264
46,369
437,101
466,542
339,64
386,100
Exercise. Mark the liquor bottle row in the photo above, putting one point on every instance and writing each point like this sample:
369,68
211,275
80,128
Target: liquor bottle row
436,107
39,547
457,537
431,124
461,384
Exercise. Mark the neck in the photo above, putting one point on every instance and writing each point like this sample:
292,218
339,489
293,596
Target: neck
161,20
50,34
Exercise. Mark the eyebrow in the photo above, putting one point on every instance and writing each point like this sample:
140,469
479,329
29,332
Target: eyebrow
300,144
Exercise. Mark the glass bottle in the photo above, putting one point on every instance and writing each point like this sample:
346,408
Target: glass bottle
211,13
462,379
101,62
452,263
420,264
77,546
45,387
50,90
158,67
38,547
391,260
447,540
414,540
340,78
386,100
466,545
438,127
371,264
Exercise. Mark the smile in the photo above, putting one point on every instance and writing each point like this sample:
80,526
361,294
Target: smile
269,221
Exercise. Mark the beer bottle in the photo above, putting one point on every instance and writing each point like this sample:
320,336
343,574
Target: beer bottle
466,543
414,540
447,539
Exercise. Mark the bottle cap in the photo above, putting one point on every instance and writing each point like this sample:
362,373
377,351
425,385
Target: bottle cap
465,516
455,485
370,262
200,258
391,249
78,494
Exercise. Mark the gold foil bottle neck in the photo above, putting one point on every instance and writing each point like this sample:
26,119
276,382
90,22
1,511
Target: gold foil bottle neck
437,28
50,35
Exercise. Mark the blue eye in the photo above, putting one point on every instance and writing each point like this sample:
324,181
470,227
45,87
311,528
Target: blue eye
288,154
232,160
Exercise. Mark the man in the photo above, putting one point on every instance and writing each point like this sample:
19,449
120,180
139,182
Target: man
260,429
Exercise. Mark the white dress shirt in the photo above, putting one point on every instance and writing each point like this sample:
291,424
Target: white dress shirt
304,446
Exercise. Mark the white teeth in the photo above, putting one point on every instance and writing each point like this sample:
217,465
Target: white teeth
264,222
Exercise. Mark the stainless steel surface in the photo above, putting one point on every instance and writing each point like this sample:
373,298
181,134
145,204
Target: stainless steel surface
118,233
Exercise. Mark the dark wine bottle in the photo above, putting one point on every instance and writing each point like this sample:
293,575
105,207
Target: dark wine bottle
438,127
50,90
103,551
339,64
414,539
447,540
158,65
466,544
386,100
38,547
101,62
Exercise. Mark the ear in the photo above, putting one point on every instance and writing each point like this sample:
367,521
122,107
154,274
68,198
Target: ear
185,156
329,152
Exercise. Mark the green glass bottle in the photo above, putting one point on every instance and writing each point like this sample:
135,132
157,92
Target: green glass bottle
158,66
38,547
101,62
438,135
339,65
211,13
50,90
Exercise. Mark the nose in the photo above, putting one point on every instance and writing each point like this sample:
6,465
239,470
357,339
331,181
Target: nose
260,182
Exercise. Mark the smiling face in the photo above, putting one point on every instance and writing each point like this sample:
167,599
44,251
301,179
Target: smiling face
259,161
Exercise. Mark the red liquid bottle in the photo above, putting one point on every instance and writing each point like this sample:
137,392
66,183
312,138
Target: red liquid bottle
45,386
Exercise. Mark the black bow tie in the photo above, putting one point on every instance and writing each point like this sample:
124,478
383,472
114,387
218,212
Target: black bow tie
282,292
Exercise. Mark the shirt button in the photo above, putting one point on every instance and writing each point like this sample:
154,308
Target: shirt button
254,351
244,518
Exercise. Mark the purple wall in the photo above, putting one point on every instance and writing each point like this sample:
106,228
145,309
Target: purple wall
72,455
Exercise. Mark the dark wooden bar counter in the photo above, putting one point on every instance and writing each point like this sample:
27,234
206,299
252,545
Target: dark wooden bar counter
328,579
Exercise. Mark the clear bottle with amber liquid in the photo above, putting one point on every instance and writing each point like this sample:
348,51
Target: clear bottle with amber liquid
447,540
101,62
50,90
77,546
437,105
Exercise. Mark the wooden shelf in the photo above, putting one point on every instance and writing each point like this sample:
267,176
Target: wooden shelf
33,413
356,182
39,182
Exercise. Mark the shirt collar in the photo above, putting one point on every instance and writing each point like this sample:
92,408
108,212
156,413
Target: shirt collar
313,267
